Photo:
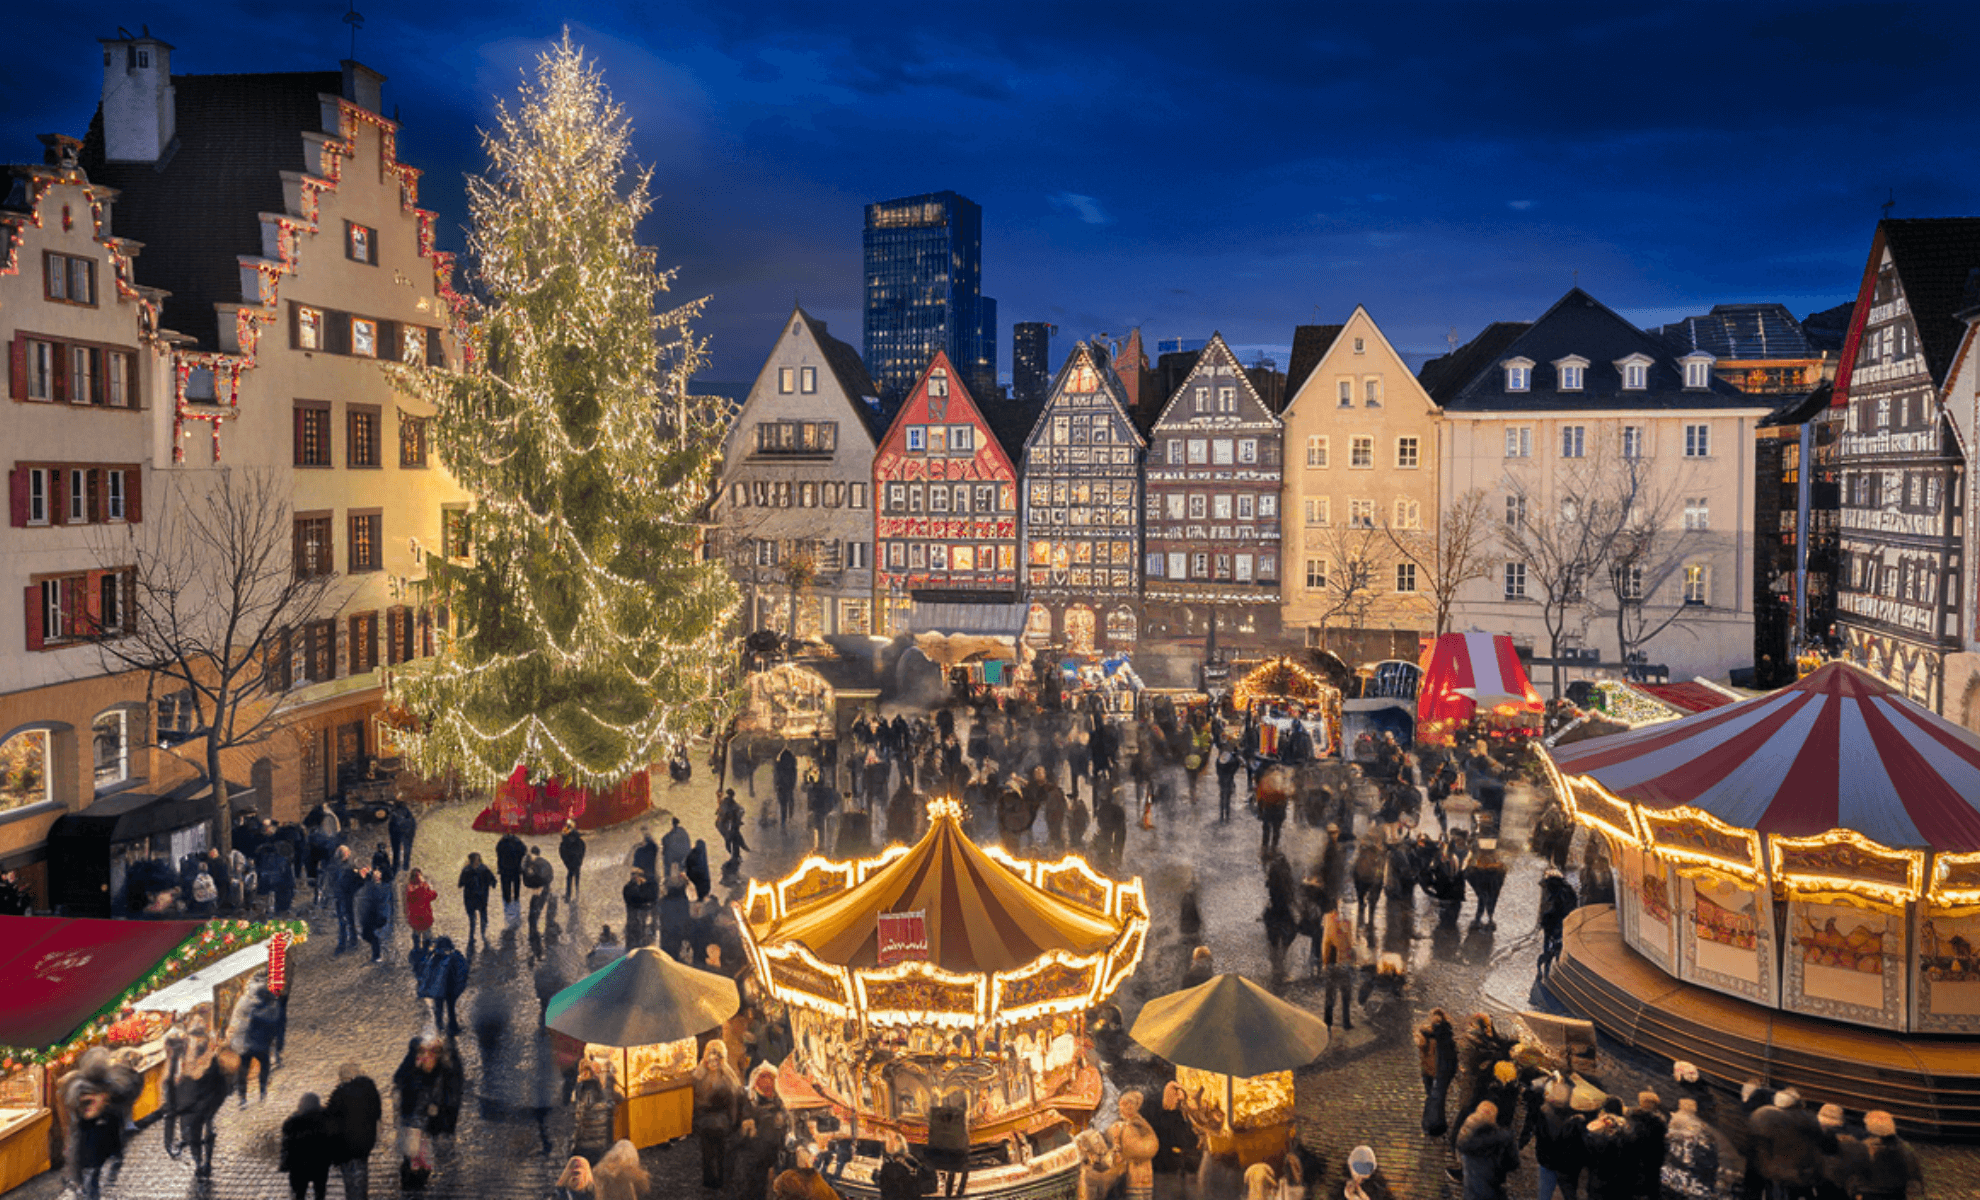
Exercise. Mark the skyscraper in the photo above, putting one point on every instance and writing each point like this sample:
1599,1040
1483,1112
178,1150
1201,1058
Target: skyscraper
1031,360
924,292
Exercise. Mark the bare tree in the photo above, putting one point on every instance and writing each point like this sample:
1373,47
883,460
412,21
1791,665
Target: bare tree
1448,555
1648,554
1355,556
215,587
1564,541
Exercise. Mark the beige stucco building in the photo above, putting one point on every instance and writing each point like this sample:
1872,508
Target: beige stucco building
1361,455
1545,419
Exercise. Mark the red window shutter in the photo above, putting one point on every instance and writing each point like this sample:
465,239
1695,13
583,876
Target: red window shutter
134,493
17,495
58,496
17,368
301,420
34,640
295,326
73,606
93,497
61,354
92,603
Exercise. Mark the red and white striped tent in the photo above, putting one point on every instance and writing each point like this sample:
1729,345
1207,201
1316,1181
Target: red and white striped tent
1838,750
1464,673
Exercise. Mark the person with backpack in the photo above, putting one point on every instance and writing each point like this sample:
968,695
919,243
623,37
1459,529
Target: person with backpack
440,974
537,876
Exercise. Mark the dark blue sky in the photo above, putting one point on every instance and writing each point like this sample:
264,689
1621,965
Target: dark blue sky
1184,168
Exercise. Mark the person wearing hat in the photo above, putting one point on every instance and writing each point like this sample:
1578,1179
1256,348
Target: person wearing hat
1555,1129
1648,1125
1364,1177
1487,1152
1691,1156
1890,1170
1843,1158
1606,1148
1787,1144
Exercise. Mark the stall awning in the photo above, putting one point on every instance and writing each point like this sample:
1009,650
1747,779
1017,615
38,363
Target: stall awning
197,988
129,816
982,620
61,970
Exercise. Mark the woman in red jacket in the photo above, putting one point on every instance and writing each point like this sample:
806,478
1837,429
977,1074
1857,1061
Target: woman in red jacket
419,907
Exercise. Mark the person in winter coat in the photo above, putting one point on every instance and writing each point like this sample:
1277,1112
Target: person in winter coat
419,907
1843,1157
509,854
96,1097
374,913
440,974
594,1105
1437,1058
570,848
676,915
419,1089
761,1136
1488,1154
401,826
695,867
1555,1129
251,1034
537,876
674,845
784,779
1787,1144
1487,876
1364,1177
646,855
211,1070
641,894
1557,900
307,1148
1691,1157
1606,1149
354,1111
729,821
1135,1139
1337,960
803,1181
475,883
1890,1170
576,1182
1647,1127
717,1111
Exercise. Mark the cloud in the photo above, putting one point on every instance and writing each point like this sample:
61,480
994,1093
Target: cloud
1519,205
1086,208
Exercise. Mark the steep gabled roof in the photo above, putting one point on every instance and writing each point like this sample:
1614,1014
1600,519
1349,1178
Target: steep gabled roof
1011,419
199,210
844,363
1577,325
962,404
1309,345
1744,332
1216,352
1935,258
1110,385
1444,375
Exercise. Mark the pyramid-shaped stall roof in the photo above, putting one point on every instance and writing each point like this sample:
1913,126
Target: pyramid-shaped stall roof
981,917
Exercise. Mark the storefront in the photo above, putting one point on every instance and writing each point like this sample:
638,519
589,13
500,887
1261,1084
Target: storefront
93,854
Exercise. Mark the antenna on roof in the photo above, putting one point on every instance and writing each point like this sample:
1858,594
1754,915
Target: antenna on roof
124,33
1890,204
1452,339
355,20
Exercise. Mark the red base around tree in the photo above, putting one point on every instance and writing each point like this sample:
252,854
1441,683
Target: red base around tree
523,807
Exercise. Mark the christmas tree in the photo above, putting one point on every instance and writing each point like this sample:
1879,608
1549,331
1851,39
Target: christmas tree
588,634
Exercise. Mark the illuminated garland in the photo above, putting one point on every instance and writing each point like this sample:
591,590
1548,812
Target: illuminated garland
1633,708
214,941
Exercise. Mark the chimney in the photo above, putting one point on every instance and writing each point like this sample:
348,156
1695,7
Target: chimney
363,86
140,117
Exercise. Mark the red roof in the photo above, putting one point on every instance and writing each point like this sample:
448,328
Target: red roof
61,971
1686,697
1840,749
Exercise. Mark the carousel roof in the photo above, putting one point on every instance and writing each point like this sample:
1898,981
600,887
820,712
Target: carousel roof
980,915
1839,749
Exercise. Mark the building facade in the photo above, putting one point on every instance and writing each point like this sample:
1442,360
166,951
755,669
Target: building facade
1903,479
1758,348
1796,522
88,387
1211,556
794,511
278,217
1081,512
1031,360
1962,405
946,521
1360,479
1558,421
924,292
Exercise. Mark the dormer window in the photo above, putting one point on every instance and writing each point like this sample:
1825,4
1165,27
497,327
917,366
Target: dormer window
1519,374
1570,371
1635,372
1698,370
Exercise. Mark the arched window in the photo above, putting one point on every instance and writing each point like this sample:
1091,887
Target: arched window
110,747
1121,625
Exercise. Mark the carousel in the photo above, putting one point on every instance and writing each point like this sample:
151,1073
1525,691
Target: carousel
1279,693
947,978
1812,853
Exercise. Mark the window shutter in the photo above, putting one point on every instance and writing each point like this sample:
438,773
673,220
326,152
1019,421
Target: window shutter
92,603
296,547
134,493
17,385
436,354
300,418
61,356
34,639
93,498
73,606
337,332
17,495
58,496
336,660
388,341
295,326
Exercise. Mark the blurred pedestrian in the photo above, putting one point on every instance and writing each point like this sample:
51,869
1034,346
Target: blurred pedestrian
401,826
510,852
374,912
571,850
307,1148
251,1034
440,975
1892,1170
1437,1059
538,875
717,1111
620,1176
419,907
1691,1156
475,883
354,1110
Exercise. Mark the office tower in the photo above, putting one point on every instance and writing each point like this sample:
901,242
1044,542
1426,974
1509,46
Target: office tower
1031,360
924,292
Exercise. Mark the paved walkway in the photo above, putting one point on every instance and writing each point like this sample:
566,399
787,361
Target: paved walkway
1364,1089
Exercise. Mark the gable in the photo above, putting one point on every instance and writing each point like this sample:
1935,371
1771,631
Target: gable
1216,371
1378,356
799,346
937,405
1086,385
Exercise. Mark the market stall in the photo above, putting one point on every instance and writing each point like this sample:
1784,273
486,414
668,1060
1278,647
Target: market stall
789,701
77,983
1834,811
946,975
93,853
1279,693
1471,677
522,804
642,1015
1235,1047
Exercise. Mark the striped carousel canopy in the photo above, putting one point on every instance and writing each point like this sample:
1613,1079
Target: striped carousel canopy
1840,749
980,916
